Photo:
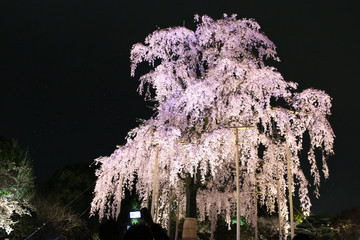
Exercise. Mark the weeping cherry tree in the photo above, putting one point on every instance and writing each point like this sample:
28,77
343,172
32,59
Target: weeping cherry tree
211,85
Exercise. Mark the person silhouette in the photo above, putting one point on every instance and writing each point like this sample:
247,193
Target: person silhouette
139,232
146,231
109,230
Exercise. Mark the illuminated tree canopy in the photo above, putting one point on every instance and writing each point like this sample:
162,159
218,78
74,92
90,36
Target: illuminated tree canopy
16,183
206,83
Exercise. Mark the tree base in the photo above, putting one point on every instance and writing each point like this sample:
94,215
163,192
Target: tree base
189,229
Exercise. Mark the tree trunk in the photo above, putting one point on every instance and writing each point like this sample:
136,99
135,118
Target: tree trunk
191,187
191,191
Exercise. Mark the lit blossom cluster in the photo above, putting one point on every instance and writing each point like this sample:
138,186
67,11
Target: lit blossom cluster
209,83
9,207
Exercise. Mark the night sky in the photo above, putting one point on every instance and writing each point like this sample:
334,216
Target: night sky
66,93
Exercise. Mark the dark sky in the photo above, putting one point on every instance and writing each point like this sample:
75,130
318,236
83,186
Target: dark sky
66,93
